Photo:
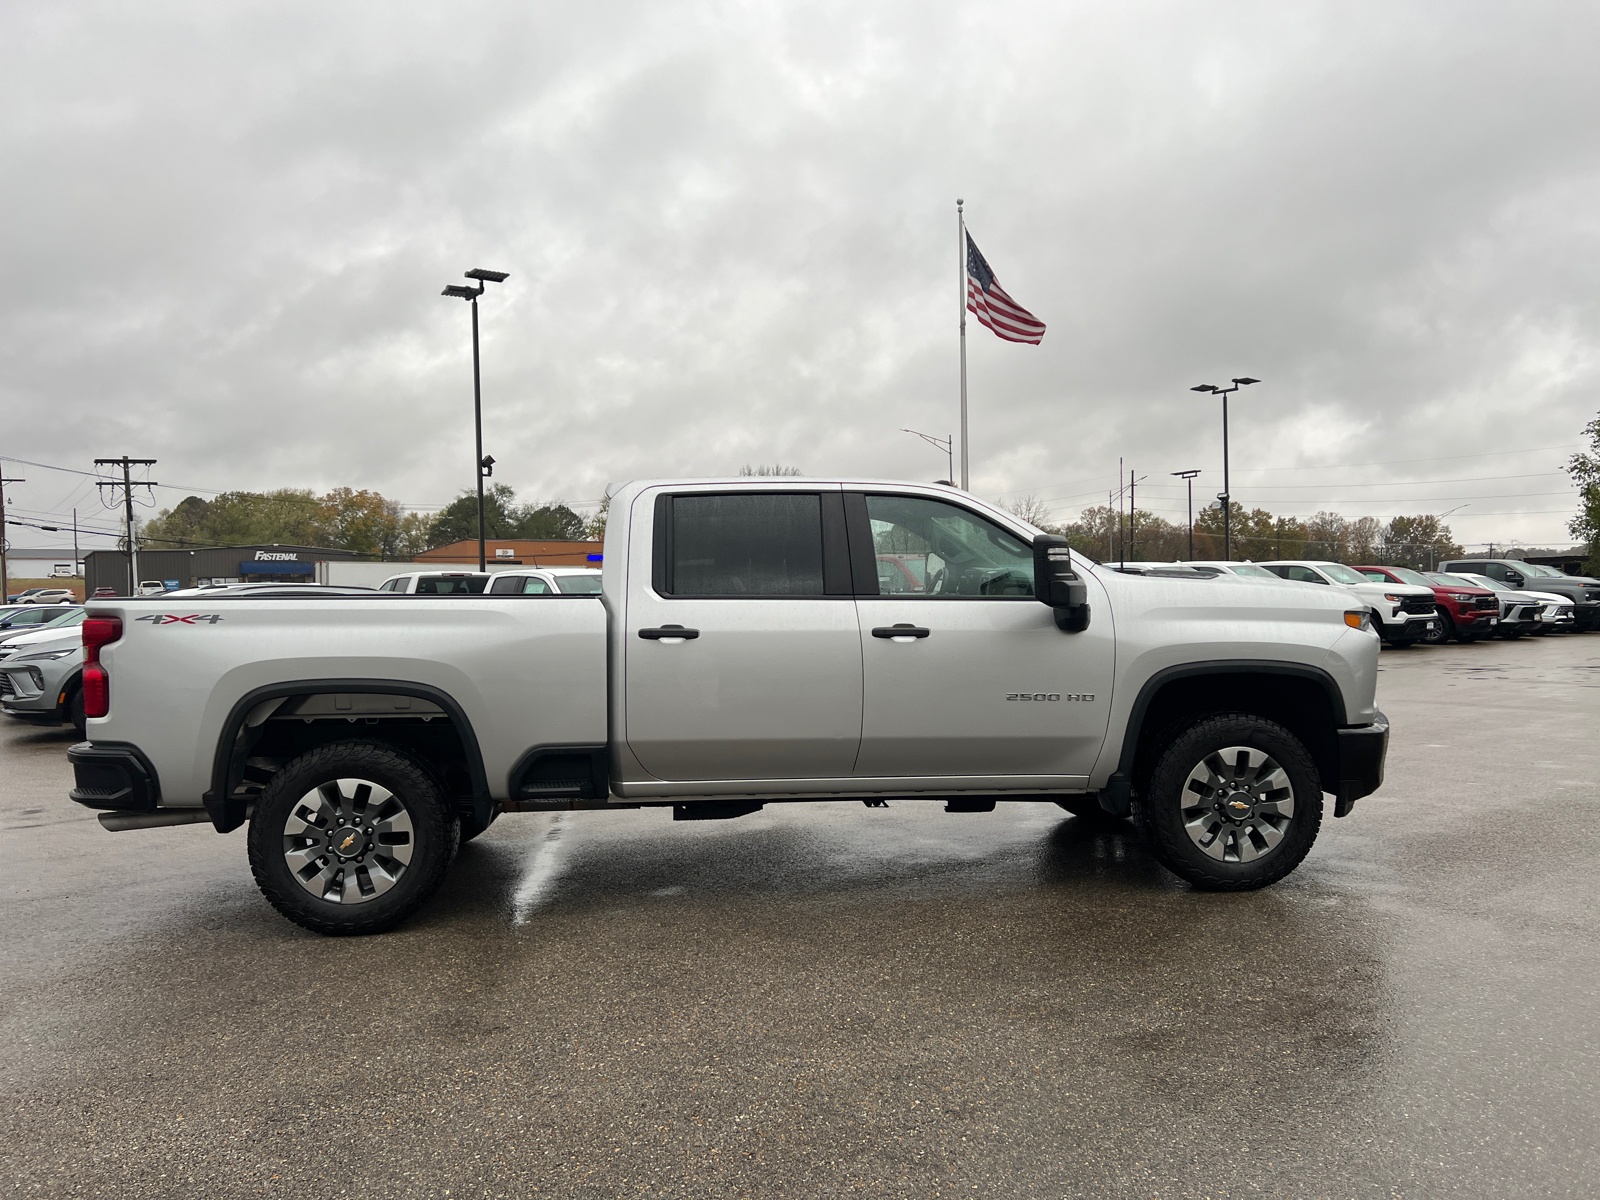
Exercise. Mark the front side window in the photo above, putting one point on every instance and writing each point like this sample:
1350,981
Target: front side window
762,544
578,585
519,585
930,549
1303,575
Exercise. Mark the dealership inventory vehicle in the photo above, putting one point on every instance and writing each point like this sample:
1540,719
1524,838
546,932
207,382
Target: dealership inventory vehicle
1582,592
15,618
1244,570
740,653
48,596
1466,612
50,617
1403,613
1520,612
40,675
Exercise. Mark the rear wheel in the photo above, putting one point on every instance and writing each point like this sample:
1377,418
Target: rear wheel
1234,803
350,838
75,711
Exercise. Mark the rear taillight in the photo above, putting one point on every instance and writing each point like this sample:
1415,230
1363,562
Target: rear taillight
97,632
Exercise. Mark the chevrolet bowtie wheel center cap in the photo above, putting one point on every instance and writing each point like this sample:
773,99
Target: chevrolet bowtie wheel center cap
349,843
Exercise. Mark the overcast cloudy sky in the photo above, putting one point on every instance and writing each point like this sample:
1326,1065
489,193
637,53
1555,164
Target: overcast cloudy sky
730,229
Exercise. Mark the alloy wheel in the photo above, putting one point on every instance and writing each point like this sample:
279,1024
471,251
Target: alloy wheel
1237,804
348,841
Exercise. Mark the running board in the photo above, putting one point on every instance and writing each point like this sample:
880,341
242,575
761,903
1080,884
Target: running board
118,822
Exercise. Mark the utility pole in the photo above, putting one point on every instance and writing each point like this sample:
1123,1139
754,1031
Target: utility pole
5,579
1188,477
127,485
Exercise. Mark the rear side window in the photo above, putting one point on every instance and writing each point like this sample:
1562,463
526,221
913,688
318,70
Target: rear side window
762,544
519,585
447,585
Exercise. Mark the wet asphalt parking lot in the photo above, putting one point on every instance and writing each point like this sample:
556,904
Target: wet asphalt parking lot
834,1001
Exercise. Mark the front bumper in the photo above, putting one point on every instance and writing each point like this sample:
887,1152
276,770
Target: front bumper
113,775
1362,750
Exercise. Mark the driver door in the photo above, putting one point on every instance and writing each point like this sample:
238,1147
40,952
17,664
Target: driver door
982,683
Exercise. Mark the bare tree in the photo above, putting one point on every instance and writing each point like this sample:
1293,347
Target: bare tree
1031,509
774,469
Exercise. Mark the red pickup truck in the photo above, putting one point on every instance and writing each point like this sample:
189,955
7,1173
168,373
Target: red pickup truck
1469,612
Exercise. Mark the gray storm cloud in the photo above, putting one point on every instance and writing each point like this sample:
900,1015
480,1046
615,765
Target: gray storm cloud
731,234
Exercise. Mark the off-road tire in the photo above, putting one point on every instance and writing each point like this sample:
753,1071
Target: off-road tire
434,834
1160,811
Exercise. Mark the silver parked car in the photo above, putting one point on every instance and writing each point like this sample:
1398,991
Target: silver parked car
47,617
41,676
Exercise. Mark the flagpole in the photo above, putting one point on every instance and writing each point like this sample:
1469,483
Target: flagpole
961,254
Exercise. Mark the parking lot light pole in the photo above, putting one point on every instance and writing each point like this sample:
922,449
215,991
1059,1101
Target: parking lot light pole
943,443
481,468
1188,477
1226,495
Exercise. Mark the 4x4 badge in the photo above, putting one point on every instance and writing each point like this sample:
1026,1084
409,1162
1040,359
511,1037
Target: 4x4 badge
190,619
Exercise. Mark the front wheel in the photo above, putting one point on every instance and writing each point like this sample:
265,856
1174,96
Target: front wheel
350,838
1234,803
1440,633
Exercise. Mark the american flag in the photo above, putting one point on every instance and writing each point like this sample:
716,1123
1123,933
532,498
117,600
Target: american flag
988,301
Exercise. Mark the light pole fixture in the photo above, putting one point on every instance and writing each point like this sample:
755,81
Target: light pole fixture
1226,495
484,466
1188,478
947,444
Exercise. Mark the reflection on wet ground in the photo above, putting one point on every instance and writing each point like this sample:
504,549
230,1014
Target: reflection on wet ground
830,999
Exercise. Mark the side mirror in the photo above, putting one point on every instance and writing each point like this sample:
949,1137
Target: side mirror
1514,579
1055,583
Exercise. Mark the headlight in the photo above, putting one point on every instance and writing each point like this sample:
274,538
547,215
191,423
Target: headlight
48,654
1392,599
1460,597
1359,619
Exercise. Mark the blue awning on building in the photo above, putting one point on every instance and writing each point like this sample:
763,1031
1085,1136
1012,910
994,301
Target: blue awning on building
277,568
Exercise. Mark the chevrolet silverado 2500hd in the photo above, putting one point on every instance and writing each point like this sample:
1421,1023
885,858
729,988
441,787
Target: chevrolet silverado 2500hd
748,646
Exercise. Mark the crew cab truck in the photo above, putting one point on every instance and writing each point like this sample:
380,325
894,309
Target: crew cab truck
744,650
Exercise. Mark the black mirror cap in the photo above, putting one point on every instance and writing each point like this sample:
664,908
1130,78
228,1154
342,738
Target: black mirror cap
1056,583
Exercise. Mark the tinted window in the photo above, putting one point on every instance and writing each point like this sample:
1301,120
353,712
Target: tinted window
753,545
927,548
448,585
519,585
1303,575
578,585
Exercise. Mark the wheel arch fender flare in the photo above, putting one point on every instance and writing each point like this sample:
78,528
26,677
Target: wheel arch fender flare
1116,795
228,811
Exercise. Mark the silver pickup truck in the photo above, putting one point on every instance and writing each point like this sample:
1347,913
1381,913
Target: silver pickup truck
753,642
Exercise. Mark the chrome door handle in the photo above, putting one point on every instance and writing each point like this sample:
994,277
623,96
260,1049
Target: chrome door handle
669,631
899,631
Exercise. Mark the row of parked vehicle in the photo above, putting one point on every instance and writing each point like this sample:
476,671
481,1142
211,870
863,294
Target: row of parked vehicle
41,646
41,595
1464,600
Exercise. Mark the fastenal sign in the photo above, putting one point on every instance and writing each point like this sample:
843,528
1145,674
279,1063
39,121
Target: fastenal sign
270,556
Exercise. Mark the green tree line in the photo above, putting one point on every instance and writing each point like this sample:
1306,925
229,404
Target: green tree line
361,521
1414,541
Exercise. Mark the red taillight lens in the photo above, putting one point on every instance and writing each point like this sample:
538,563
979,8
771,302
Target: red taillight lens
97,632
96,690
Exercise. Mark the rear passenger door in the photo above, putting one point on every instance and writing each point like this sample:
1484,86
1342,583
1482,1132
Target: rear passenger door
743,655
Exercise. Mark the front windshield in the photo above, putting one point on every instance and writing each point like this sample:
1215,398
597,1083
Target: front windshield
1478,581
1340,574
1407,575
1251,571
578,585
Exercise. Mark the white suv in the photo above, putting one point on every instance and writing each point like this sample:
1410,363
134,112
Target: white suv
529,581
1402,613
